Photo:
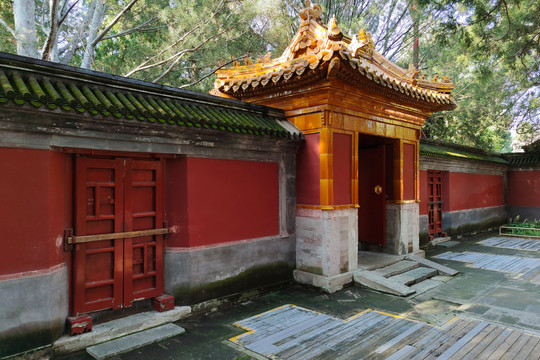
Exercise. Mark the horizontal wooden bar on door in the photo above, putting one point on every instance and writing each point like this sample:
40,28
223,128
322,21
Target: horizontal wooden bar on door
435,202
112,236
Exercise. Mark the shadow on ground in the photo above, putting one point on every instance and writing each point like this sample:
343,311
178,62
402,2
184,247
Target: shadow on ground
475,293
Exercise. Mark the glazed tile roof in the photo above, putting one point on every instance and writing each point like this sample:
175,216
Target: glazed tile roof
523,159
53,87
323,51
451,151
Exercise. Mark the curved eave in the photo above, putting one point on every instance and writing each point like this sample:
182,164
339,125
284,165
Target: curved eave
358,71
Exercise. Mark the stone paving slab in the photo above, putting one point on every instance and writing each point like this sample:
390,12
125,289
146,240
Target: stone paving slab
397,268
512,243
448,244
297,333
414,276
134,341
518,265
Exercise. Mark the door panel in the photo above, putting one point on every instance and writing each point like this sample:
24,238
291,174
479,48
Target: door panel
372,195
99,201
113,196
435,202
143,255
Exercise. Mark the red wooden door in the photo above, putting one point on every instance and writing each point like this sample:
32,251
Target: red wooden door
372,195
143,256
435,202
115,196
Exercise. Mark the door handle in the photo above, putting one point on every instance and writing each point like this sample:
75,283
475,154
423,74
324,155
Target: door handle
378,189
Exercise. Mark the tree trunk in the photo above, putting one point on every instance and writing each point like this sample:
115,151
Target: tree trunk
49,52
79,35
97,19
25,27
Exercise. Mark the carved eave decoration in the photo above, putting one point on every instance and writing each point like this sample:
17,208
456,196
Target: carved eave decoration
323,52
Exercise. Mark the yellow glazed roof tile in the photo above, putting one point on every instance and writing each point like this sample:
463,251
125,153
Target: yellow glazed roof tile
315,47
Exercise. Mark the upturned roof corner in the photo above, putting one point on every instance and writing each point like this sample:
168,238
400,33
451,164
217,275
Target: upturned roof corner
313,54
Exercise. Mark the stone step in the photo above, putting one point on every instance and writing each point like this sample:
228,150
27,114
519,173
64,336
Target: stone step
118,328
442,270
414,276
374,281
397,268
134,341
439,240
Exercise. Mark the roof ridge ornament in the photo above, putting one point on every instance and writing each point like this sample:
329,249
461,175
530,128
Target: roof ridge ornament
362,42
334,32
311,13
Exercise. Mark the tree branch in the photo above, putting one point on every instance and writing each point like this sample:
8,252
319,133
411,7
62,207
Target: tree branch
67,13
113,22
2,22
129,31
144,65
213,71
186,51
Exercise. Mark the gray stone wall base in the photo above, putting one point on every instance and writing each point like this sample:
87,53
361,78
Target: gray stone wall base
198,274
327,241
529,213
402,228
468,221
328,284
34,310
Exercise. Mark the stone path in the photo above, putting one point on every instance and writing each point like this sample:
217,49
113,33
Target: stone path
291,332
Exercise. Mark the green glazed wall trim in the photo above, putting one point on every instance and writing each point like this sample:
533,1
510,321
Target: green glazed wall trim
49,93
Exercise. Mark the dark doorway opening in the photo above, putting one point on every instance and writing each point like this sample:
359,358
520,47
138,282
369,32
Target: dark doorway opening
375,187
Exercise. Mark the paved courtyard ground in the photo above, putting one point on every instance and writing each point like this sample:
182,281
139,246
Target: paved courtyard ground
490,310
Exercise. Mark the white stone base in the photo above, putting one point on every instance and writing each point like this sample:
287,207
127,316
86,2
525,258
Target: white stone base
329,284
327,241
402,228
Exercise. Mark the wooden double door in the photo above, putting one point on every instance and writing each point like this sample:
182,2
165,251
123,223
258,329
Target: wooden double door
118,241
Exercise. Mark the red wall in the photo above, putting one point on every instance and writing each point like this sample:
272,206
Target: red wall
469,191
35,204
342,169
463,191
523,188
308,172
218,201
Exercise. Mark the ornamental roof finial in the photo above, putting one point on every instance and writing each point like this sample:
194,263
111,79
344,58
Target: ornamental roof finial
311,13
334,32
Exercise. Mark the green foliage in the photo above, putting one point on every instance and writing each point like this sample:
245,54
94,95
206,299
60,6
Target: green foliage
522,228
491,51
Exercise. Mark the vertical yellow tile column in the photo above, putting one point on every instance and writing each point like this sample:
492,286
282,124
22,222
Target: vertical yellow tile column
417,171
327,167
354,168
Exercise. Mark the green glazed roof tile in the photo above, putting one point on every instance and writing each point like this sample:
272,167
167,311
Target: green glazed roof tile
450,151
48,91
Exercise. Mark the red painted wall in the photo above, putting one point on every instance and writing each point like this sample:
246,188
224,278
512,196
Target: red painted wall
463,191
35,203
342,169
523,188
308,171
423,192
408,172
218,201
469,191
